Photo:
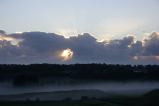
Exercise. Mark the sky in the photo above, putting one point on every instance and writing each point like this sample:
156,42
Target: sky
79,31
105,19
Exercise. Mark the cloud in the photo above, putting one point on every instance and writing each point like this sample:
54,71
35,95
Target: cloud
2,32
42,47
152,44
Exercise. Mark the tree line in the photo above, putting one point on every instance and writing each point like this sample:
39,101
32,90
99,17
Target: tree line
81,71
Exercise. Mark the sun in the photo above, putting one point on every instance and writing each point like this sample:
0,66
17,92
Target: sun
67,54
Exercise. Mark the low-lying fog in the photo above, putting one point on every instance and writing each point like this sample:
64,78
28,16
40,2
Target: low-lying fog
50,85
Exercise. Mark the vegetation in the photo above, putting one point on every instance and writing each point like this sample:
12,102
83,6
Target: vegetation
145,100
27,74
23,74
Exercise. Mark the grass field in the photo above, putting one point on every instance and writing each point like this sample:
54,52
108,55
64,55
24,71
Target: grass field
97,102
149,99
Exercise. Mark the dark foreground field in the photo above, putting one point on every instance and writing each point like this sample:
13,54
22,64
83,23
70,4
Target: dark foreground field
21,76
111,102
148,99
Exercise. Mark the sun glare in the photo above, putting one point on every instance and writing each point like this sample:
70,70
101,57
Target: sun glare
67,54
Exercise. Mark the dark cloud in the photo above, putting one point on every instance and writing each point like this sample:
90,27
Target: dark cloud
152,44
2,32
42,42
41,47
85,47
